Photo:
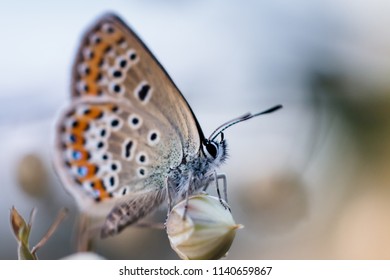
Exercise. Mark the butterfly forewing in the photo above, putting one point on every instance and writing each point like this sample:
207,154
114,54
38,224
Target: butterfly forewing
126,127
113,61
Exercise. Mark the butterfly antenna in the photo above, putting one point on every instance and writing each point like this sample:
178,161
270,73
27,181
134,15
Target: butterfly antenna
242,118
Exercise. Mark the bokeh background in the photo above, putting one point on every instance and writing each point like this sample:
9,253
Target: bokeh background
311,181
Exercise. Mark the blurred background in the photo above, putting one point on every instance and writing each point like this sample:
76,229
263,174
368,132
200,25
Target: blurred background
311,181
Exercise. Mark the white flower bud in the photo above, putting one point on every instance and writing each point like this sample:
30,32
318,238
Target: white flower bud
206,232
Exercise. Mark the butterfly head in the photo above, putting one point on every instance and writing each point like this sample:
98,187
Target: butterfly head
215,151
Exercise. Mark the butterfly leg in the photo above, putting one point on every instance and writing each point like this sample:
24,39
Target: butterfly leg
215,178
169,197
186,203
211,178
223,177
187,196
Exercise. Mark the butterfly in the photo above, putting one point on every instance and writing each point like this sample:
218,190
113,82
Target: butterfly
129,141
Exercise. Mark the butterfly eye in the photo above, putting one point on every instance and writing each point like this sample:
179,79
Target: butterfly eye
212,149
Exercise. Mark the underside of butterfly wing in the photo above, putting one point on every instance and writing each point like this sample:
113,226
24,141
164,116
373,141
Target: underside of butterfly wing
113,61
128,212
108,152
126,127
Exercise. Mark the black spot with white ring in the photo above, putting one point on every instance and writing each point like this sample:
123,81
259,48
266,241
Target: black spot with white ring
153,137
123,63
88,53
133,56
82,87
107,28
127,149
117,88
95,39
134,121
143,92
142,158
100,145
117,74
115,123
87,111
84,70
141,172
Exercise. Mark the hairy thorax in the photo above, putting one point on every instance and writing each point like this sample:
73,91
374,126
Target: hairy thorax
192,175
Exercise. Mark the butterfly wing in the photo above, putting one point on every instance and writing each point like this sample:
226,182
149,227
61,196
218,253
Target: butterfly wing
127,125
113,61
103,157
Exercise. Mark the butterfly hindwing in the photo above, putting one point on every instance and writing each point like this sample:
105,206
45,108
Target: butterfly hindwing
131,210
109,151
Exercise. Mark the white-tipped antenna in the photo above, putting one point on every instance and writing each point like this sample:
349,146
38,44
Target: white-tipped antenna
242,118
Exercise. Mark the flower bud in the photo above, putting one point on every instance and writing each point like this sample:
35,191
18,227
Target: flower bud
207,230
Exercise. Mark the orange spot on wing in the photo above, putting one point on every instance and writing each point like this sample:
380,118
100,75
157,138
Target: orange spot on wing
91,169
98,185
84,155
94,64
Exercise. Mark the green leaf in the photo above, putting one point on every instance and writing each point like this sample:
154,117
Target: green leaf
19,226
24,253
22,233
